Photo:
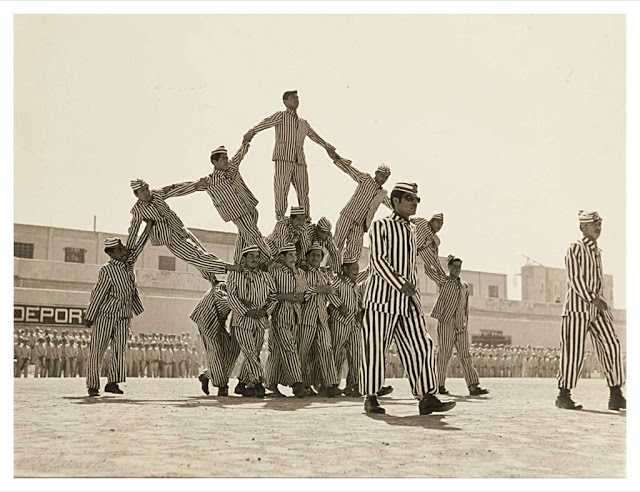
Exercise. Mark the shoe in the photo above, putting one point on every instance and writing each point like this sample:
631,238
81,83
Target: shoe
113,388
222,390
240,388
259,389
564,401
385,390
93,392
371,405
324,391
298,390
249,391
333,391
442,390
475,390
430,403
351,392
616,400
204,383
275,391
308,391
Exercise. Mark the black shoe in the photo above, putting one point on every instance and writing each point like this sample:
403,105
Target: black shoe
333,391
371,405
324,391
385,390
204,381
222,390
298,390
93,392
259,390
275,391
442,390
308,391
616,400
249,391
430,403
240,388
113,388
352,392
564,401
475,390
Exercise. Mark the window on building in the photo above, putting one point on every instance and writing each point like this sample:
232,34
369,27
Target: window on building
23,250
470,289
74,255
493,291
167,263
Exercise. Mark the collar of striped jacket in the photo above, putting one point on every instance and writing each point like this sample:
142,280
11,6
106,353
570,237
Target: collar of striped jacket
395,216
292,112
590,243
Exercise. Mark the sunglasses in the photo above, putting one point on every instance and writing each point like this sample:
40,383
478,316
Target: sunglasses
411,198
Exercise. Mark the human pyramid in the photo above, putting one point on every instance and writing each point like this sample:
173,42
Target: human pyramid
317,316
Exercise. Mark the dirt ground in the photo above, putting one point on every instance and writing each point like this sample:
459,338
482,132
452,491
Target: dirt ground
168,428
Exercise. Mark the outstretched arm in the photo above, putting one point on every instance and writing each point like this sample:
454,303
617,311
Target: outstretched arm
311,133
134,252
268,122
345,166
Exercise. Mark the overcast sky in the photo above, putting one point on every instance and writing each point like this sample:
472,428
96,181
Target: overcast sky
509,124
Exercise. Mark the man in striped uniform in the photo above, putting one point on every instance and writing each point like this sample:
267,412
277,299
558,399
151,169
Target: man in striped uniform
221,347
168,229
452,312
313,335
283,363
319,233
252,296
288,153
233,200
428,242
393,310
585,310
345,311
289,230
113,302
356,216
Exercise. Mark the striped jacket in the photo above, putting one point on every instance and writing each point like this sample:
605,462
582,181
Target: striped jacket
428,243
314,309
211,311
167,223
284,233
363,204
250,289
288,281
308,237
584,277
453,301
115,295
347,293
291,131
228,191
392,262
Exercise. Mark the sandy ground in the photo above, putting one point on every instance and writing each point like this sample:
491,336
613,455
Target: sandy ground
168,428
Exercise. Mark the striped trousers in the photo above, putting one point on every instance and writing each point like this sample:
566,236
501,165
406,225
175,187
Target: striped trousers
187,250
314,348
250,336
415,349
283,363
605,341
286,174
347,344
248,234
349,235
221,351
105,331
451,334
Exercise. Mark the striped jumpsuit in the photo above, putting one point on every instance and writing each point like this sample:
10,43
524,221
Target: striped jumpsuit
390,314
221,347
283,363
289,158
356,216
428,242
169,230
284,233
585,282
250,289
113,302
309,236
313,336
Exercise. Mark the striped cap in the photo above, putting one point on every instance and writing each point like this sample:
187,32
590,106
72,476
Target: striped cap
384,169
451,259
315,246
249,249
406,187
586,217
348,259
297,211
439,216
219,150
324,224
136,184
286,248
112,242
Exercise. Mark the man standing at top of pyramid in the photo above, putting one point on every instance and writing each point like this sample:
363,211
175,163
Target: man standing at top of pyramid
288,152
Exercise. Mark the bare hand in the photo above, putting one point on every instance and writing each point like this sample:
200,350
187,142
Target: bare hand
247,137
333,154
408,289
600,303
88,323
343,310
202,184
298,297
232,267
